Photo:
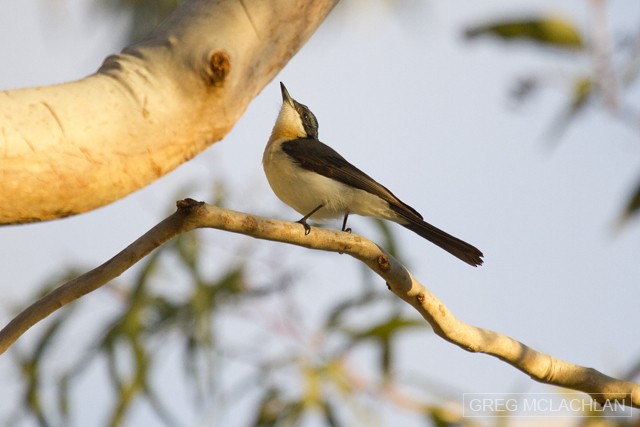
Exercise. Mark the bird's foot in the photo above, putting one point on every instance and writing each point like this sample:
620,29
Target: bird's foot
303,220
307,227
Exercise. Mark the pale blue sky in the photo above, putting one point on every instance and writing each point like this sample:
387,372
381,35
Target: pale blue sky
406,99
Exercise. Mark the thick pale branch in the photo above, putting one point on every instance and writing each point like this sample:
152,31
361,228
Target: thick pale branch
191,214
69,148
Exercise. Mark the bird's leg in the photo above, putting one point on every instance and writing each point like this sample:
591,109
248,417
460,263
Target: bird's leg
344,223
303,220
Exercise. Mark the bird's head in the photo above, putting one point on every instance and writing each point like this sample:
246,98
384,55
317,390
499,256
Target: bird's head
295,120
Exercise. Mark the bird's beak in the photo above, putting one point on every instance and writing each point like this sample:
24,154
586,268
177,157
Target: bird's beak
285,95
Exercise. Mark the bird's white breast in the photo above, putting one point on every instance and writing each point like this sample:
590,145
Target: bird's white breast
305,190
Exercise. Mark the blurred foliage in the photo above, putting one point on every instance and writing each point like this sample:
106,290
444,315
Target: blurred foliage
547,31
30,364
322,381
582,89
145,14
633,205
149,316
603,84
294,376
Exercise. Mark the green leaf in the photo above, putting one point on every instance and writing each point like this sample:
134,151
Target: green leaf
439,418
583,87
386,329
341,310
546,31
633,205
274,410
269,408
330,415
382,333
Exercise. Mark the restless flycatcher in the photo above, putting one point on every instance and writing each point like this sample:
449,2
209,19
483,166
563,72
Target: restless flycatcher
319,183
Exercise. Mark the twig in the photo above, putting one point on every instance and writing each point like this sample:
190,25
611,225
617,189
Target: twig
191,214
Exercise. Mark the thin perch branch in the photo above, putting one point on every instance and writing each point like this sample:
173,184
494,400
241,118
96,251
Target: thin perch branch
191,214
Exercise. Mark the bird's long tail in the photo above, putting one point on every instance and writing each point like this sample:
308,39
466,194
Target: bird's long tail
456,247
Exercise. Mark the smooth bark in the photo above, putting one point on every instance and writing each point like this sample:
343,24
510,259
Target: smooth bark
69,148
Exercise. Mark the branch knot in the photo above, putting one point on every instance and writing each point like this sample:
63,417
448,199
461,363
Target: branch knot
218,68
383,262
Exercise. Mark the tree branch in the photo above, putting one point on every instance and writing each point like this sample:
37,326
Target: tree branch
191,215
72,147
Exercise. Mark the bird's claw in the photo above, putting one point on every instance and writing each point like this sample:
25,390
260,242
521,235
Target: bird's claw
307,227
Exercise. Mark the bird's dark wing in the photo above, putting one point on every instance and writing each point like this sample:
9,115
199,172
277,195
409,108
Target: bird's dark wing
315,156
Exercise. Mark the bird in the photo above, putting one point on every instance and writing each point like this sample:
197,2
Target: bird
320,184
